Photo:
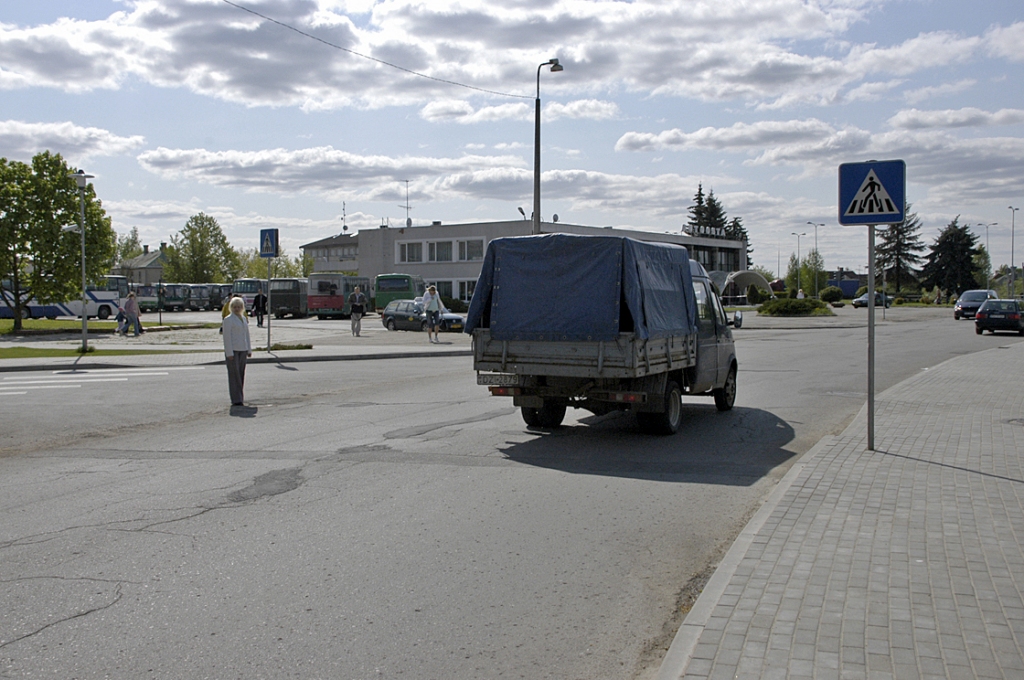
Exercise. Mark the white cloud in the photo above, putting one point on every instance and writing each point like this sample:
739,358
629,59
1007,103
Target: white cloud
952,118
922,93
732,49
320,169
74,142
740,136
591,109
1007,41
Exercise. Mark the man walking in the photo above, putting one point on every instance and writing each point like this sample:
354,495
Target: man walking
259,307
357,307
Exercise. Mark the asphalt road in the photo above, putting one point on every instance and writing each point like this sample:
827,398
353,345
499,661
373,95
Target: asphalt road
388,519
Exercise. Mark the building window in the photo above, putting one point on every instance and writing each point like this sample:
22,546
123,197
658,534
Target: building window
440,251
410,252
466,289
444,288
471,250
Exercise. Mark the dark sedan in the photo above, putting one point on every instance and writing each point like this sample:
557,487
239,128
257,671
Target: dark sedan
969,302
409,315
999,315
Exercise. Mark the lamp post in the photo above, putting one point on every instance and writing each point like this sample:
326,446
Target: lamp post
1013,269
816,253
793,233
988,251
82,180
555,68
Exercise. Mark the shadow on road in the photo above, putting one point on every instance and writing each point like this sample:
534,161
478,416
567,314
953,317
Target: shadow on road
737,448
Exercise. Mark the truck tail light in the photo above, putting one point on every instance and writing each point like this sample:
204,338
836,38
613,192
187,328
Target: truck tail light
502,391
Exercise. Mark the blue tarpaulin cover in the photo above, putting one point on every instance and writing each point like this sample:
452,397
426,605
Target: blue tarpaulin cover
583,288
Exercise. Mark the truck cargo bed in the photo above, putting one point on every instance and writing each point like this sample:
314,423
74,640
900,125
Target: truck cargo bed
626,357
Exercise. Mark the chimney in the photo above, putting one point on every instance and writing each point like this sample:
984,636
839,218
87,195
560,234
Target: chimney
145,249
163,246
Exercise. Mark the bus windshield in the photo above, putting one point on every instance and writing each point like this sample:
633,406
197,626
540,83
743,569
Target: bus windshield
288,286
250,286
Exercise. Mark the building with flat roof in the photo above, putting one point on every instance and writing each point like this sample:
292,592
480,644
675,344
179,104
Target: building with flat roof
450,255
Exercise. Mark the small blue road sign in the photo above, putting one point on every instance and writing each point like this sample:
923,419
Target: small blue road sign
874,192
269,243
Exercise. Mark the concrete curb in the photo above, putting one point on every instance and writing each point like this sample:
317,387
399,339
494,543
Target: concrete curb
125,361
680,652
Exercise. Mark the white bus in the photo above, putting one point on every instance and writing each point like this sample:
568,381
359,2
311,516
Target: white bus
103,301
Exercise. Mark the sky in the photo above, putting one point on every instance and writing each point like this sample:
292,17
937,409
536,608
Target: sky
324,113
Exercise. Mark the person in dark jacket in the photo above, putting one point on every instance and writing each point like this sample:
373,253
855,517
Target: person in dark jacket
259,307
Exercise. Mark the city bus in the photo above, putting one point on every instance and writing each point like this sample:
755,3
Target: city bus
147,295
288,296
176,297
329,291
388,287
247,289
102,301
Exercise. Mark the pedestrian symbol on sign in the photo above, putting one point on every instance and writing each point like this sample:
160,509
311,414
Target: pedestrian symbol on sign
871,199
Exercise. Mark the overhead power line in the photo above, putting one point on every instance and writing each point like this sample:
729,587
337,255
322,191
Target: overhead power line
366,56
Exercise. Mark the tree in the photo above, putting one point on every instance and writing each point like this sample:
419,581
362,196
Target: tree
950,264
898,251
698,212
200,253
982,265
714,214
38,258
813,267
735,231
129,246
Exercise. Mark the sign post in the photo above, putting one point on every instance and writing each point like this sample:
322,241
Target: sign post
872,193
269,248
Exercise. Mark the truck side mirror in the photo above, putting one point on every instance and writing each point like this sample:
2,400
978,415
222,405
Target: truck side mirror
737,319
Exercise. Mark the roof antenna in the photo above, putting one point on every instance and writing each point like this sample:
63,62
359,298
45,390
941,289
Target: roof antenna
344,225
408,220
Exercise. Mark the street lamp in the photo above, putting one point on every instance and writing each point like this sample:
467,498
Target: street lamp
803,233
816,253
82,180
988,252
555,68
1013,269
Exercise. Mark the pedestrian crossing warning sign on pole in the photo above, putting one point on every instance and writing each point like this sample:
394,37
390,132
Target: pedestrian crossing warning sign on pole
269,243
872,192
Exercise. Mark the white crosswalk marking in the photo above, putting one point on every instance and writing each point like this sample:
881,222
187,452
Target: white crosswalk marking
15,385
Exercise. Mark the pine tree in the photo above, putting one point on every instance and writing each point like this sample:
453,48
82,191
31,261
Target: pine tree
950,264
715,213
899,248
735,231
698,212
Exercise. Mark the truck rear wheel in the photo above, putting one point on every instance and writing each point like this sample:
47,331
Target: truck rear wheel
667,422
725,396
549,415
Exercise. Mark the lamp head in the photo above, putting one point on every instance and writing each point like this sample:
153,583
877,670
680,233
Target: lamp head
555,66
81,178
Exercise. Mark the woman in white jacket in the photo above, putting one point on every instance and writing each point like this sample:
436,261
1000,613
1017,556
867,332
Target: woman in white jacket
237,348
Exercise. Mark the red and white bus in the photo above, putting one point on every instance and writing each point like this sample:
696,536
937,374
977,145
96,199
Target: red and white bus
329,291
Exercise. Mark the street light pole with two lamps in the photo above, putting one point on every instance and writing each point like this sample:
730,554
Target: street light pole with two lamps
555,68
804,233
817,255
82,180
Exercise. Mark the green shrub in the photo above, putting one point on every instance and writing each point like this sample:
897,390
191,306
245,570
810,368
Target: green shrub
898,301
861,291
927,299
791,293
793,307
756,296
831,294
454,305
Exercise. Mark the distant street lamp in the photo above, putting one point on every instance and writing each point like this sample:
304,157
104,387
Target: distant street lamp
816,253
803,233
988,251
555,68
1013,268
82,180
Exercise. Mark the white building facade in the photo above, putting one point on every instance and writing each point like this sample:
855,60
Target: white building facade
450,255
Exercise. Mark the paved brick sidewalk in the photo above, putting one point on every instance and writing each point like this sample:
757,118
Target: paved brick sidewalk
903,562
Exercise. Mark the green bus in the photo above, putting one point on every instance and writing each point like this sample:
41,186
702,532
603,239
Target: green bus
388,287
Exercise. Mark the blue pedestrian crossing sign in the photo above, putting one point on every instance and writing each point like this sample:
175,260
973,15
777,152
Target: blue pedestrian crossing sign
269,243
874,192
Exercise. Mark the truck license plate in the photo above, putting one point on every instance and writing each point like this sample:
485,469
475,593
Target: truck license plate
497,379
